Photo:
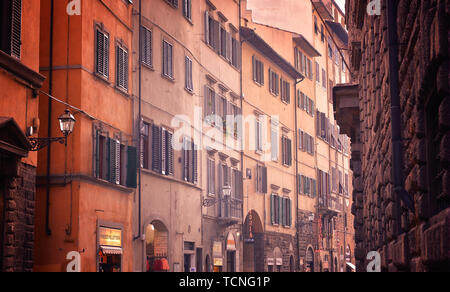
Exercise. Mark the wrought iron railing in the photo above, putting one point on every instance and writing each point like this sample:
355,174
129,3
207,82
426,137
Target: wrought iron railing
230,208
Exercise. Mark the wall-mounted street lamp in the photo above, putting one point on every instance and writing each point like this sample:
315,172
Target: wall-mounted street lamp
66,124
226,191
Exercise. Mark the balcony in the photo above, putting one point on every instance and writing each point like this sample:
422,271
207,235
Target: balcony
329,205
230,211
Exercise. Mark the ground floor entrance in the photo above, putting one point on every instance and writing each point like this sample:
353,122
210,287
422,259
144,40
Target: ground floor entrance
253,243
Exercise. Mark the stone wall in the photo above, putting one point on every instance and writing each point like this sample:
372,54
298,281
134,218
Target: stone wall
307,236
18,242
286,244
407,241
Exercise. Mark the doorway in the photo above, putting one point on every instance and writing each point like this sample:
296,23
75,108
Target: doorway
253,243
199,260
157,247
208,264
231,261
187,263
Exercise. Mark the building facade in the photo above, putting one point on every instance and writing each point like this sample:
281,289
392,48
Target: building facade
19,121
86,188
190,85
396,111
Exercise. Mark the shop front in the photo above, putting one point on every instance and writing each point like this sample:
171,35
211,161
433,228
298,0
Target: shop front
157,247
217,257
110,248
231,253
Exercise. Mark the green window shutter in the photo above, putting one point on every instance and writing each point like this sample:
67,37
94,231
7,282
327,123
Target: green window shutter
132,167
272,210
112,161
280,208
96,149
290,213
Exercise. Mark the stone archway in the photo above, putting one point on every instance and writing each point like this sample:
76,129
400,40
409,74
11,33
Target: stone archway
253,243
157,247
309,260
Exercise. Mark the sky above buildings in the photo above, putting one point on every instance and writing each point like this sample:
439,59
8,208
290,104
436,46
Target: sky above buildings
341,4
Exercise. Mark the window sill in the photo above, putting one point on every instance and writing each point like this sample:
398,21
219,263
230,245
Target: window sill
122,91
171,79
102,78
189,20
190,91
149,67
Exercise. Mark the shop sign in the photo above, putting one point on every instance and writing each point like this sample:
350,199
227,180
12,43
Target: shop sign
279,262
231,242
218,262
110,237
217,249
270,262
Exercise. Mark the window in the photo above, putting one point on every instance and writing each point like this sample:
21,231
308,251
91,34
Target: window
167,59
280,210
211,177
317,73
274,85
162,151
223,42
306,143
11,27
305,103
322,34
187,9
190,161
211,31
307,186
285,91
330,47
122,68
146,47
174,3
274,140
324,79
210,102
316,26
102,53
145,145
261,179
259,136
236,53
258,71
188,74
114,162
310,69
237,182
287,151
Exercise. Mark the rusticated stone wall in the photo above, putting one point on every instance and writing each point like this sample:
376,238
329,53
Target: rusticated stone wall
407,241
18,222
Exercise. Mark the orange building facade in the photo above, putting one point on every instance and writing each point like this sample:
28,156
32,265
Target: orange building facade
20,82
84,197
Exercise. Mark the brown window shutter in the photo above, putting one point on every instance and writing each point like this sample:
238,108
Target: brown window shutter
264,180
207,40
16,28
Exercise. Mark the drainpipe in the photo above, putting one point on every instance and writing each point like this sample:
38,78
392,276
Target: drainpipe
139,127
296,171
49,120
397,148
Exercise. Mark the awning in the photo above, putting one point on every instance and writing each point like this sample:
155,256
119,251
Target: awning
108,250
351,266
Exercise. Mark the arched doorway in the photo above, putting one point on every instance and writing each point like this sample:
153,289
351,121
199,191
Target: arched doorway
310,260
157,247
253,243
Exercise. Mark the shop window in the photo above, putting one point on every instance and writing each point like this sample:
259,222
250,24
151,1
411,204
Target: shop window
157,247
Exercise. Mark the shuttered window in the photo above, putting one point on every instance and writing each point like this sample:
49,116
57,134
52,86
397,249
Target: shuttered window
210,102
261,179
285,91
102,53
258,71
287,151
122,68
212,32
280,211
324,79
174,3
11,27
187,9
274,85
258,136
188,74
162,151
114,162
146,47
274,133
236,53
145,145
190,161
167,59
211,177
